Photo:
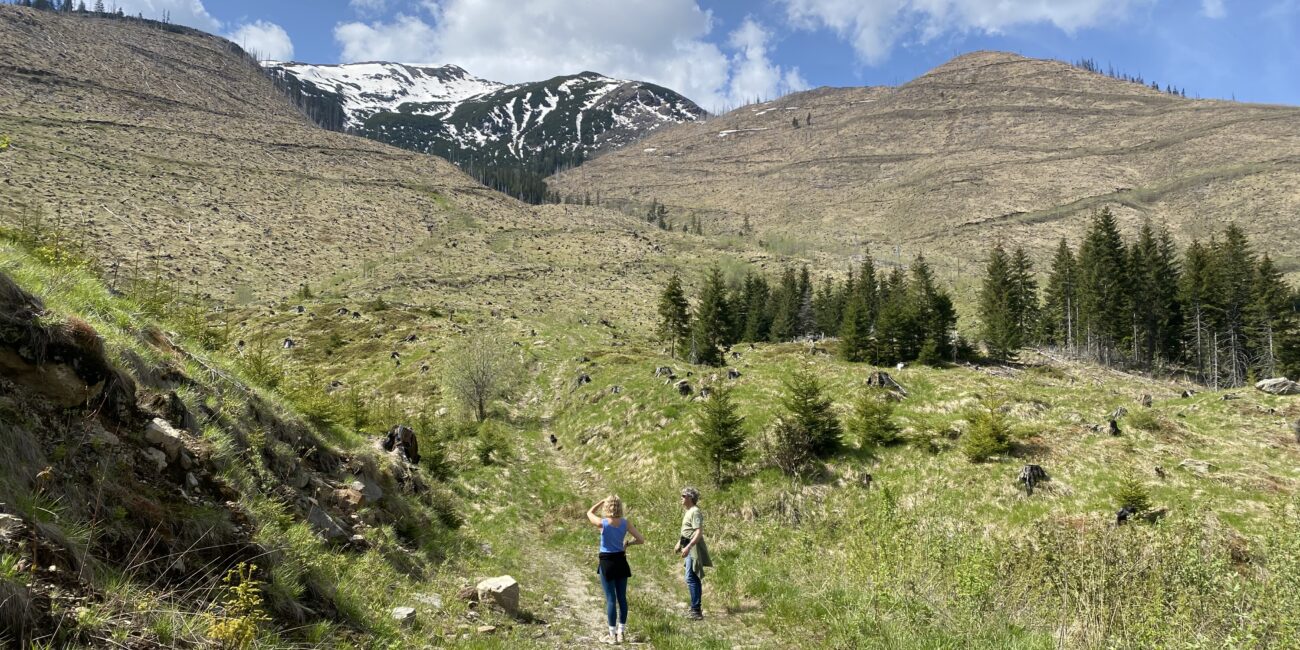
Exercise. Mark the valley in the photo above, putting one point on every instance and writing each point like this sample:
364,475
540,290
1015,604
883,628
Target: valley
213,312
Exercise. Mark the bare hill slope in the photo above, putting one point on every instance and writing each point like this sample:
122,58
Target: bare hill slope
172,146
989,144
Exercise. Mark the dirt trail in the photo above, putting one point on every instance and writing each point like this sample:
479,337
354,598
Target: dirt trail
585,603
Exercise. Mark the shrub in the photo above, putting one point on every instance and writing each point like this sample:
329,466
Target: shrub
989,435
260,365
493,444
237,627
872,421
1145,419
788,447
1132,494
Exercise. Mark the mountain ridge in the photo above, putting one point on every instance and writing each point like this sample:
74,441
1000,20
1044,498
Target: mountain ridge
485,126
1022,148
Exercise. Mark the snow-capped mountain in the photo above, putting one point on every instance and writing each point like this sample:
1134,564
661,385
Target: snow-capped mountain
365,89
446,111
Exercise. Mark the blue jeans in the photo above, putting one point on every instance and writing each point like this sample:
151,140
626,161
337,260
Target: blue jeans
615,592
693,585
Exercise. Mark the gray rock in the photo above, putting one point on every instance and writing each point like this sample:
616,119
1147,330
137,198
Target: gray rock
325,524
503,591
370,490
404,615
1200,467
11,527
161,433
156,456
191,481
433,601
1278,386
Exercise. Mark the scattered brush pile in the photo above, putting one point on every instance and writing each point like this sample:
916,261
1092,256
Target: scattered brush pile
149,496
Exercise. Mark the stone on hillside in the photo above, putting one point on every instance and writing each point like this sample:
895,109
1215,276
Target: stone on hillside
1145,400
159,432
663,371
1118,413
683,387
56,382
325,524
487,629
1279,386
11,527
369,489
732,373
191,481
1201,467
468,594
155,456
350,499
502,591
404,615
1295,427
430,600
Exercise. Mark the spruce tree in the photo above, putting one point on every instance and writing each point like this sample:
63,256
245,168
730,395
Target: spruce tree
758,312
811,412
998,327
1144,287
896,323
1170,319
936,316
709,327
1195,293
721,440
1270,317
866,286
1234,275
674,320
1024,294
786,301
855,332
1104,314
1060,311
828,307
804,321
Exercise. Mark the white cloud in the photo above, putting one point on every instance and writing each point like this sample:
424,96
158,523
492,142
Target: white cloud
368,6
753,75
1213,8
661,41
264,40
181,12
874,27
407,39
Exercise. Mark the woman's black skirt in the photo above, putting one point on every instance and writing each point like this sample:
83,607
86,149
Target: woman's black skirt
614,566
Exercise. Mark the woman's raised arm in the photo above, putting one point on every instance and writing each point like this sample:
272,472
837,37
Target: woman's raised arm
591,512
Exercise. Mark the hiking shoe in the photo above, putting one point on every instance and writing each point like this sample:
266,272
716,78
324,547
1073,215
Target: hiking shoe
618,637
695,615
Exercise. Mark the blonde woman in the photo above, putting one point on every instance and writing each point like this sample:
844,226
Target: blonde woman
613,568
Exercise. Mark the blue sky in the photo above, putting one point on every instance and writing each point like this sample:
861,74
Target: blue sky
726,52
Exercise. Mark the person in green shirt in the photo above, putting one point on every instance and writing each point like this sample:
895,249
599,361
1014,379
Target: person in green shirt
692,548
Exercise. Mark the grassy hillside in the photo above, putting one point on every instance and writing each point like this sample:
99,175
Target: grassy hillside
987,145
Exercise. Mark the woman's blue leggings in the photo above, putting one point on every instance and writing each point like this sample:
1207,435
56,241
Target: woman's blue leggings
615,593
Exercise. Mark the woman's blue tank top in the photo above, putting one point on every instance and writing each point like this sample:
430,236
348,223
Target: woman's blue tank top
611,538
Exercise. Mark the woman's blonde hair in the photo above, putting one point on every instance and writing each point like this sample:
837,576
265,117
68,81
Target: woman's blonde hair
613,507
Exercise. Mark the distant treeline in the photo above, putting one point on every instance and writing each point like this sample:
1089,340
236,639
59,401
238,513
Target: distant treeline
1219,309
1092,66
880,317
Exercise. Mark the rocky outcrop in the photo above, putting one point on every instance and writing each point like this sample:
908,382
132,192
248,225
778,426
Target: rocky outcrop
64,362
1278,386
